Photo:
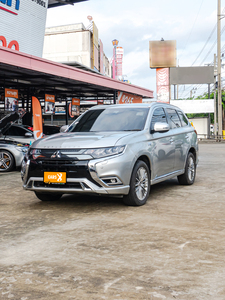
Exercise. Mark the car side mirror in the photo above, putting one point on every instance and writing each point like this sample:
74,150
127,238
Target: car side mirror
161,127
64,128
28,134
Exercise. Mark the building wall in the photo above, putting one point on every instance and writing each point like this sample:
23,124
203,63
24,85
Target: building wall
71,43
24,23
107,66
74,43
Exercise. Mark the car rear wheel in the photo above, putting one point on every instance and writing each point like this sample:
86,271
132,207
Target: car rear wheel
7,161
139,185
48,196
188,177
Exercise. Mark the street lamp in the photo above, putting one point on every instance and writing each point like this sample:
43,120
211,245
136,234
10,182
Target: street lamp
115,44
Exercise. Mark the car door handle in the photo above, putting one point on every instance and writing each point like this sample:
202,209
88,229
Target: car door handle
171,141
186,137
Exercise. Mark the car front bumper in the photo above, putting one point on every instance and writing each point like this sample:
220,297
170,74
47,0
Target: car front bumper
104,176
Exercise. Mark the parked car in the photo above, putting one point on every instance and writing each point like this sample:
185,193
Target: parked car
117,150
47,129
19,133
11,154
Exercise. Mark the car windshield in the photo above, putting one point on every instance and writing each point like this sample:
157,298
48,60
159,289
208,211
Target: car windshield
113,119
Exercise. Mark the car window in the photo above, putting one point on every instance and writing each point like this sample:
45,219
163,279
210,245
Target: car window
174,118
113,119
184,121
159,115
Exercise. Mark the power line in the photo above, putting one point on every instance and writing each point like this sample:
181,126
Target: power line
192,28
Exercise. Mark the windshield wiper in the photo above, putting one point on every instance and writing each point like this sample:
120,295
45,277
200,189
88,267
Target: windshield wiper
132,130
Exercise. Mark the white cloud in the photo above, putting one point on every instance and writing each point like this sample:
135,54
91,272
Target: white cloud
134,23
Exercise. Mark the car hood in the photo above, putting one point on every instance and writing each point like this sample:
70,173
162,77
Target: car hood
11,142
80,140
7,120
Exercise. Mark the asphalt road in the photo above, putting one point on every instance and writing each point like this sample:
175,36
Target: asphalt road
97,248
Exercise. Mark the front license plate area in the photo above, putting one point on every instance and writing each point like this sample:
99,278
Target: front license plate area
55,177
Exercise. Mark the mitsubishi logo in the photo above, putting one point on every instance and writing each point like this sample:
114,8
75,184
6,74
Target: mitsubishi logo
56,154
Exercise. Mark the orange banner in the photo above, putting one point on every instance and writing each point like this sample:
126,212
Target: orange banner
75,101
11,93
125,98
50,98
37,119
74,109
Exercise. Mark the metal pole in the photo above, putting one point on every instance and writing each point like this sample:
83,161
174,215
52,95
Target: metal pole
215,106
115,64
174,92
67,112
219,68
114,98
209,119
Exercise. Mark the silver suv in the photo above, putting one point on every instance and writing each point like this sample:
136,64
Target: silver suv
114,150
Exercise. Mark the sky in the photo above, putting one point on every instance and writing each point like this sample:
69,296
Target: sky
136,22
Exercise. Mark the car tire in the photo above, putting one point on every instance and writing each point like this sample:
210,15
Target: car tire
188,177
139,185
7,161
48,196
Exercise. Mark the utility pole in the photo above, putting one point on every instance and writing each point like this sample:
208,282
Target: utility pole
215,106
219,68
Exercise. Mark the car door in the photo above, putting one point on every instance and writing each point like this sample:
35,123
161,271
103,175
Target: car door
163,146
180,142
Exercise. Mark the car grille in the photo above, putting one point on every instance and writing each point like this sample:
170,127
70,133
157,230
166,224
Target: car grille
73,169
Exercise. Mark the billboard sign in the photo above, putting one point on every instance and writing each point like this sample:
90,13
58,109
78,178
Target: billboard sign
162,54
75,107
195,106
22,25
49,104
126,98
163,85
192,75
11,100
95,48
101,58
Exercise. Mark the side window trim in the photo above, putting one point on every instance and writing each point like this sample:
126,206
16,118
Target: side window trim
179,112
171,122
166,116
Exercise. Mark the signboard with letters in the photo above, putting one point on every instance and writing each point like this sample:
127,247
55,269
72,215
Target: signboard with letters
22,25
49,104
11,100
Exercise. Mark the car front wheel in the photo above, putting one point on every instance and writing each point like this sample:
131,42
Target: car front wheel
48,196
7,162
139,185
188,177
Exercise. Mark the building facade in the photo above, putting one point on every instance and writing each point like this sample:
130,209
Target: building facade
70,44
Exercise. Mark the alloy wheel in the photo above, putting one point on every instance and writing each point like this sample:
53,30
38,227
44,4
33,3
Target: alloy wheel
141,185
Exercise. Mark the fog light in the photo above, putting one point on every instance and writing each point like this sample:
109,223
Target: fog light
111,180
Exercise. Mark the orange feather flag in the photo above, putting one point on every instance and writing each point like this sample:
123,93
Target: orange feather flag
37,119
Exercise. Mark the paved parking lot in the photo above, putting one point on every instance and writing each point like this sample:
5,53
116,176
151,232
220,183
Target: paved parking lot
97,248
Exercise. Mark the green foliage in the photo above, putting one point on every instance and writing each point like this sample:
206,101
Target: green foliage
191,116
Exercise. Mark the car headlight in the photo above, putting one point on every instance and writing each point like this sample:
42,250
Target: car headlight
104,152
22,149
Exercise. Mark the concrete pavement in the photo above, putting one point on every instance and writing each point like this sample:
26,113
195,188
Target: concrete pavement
97,248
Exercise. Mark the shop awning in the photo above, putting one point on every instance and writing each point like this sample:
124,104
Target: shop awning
22,71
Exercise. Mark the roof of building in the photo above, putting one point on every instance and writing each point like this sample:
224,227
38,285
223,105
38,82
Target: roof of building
54,3
22,71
